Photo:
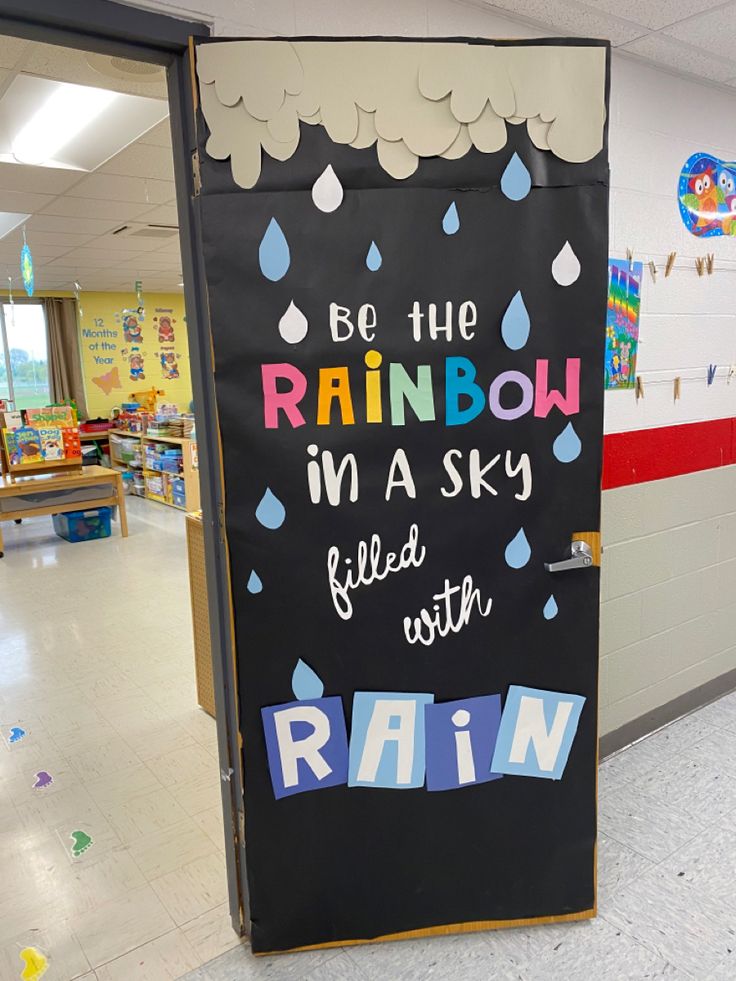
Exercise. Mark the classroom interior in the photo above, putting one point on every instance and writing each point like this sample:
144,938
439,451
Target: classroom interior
110,807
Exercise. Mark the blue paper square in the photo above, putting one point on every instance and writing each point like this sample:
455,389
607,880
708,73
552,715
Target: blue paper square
461,737
306,744
387,739
536,732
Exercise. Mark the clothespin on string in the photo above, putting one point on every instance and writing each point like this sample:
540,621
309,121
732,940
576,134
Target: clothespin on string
630,258
709,260
670,263
731,371
711,373
700,265
653,270
676,389
639,388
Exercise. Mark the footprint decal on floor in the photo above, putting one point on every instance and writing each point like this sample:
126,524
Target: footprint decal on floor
35,964
81,842
43,779
16,734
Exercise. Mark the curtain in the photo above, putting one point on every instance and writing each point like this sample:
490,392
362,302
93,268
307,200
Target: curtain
65,366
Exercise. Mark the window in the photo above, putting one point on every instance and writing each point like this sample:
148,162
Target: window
24,369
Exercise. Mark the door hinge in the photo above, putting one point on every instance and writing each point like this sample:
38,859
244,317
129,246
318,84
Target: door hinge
196,173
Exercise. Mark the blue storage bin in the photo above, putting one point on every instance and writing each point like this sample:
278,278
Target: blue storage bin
179,499
83,526
177,485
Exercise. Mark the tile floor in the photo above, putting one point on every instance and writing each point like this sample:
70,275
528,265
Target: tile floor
96,667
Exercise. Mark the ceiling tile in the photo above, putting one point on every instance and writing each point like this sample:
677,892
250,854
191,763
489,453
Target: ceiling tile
69,65
681,57
166,214
38,237
160,135
92,208
38,180
713,32
11,49
23,201
127,243
79,226
446,18
142,160
654,14
571,17
87,254
116,188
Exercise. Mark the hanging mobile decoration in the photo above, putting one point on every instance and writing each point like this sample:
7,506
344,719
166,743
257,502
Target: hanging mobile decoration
77,291
26,265
139,295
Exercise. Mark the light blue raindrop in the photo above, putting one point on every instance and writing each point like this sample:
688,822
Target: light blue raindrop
273,252
550,608
567,446
515,323
270,511
518,552
254,582
451,221
516,181
305,683
374,258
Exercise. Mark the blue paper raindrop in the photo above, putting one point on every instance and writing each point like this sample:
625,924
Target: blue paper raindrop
567,446
550,608
273,252
374,258
516,181
305,683
515,324
254,582
451,221
270,511
518,551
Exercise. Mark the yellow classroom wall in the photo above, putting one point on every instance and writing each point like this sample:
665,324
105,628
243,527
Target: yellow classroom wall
110,354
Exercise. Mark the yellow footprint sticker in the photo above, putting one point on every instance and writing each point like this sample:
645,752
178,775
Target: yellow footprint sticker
36,964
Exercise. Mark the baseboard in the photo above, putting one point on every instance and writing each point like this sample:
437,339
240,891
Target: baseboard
669,712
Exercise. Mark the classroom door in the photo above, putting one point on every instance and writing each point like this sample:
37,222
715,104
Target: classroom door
406,255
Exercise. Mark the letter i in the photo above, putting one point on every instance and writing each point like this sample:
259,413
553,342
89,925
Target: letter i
373,406
314,475
463,749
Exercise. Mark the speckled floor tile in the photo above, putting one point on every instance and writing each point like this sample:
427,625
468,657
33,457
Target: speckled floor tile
679,923
618,865
603,952
465,956
649,826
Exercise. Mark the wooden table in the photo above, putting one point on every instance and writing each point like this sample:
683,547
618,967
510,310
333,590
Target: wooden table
50,483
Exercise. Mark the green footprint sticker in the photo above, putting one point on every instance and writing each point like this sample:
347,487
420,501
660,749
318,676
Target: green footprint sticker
81,841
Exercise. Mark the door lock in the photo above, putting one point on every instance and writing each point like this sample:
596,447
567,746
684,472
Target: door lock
581,557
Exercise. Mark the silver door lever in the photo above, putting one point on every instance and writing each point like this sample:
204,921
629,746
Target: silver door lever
581,557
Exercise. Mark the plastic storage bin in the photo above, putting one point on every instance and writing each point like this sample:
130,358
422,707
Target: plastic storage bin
83,526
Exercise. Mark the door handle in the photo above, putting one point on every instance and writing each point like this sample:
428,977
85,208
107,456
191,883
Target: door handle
581,557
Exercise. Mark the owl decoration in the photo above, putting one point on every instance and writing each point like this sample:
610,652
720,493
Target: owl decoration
707,196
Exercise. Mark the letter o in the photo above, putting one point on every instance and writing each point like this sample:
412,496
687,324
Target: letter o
527,395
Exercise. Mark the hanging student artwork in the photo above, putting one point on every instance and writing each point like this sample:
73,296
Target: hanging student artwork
622,322
707,195
403,292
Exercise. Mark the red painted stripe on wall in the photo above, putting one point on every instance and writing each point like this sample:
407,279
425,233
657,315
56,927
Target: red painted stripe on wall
653,454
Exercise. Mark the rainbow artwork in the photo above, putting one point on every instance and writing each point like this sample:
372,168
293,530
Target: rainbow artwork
622,322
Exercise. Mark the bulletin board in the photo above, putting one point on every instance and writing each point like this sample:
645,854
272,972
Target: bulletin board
406,261
129,347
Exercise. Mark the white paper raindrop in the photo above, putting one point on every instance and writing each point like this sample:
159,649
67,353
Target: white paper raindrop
327,191
566,266
293,326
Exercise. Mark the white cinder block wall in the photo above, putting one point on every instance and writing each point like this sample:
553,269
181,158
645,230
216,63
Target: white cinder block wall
669,569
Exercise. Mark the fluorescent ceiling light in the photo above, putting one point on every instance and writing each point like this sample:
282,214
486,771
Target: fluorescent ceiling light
9,220
71,127
68,111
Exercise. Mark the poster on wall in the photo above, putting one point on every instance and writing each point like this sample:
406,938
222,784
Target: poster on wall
622,322
401,285
707,195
